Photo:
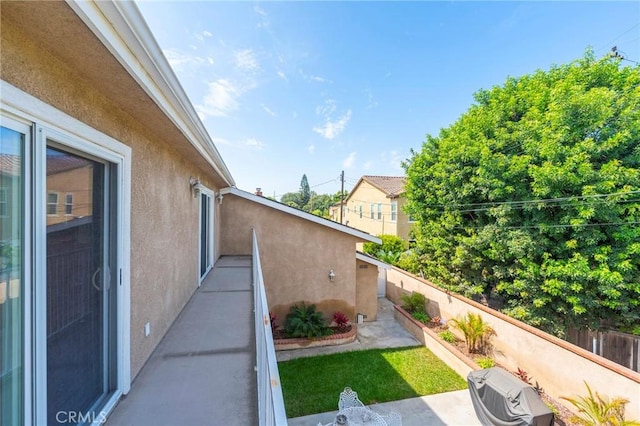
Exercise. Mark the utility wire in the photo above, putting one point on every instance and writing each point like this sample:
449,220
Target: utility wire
554,226
542,200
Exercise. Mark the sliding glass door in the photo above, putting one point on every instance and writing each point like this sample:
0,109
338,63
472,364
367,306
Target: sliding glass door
12,271
206,234
80,302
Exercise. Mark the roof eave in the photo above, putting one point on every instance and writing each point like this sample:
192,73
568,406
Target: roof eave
301,214
124,32
366,258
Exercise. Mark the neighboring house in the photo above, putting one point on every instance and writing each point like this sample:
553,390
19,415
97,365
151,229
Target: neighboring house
334,212
116,205
298,250
375,205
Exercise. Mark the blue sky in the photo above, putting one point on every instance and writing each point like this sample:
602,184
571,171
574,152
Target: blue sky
293,88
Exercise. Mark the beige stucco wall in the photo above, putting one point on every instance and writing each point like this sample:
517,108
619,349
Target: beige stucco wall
296,256
558,366
366,290
363,196
164,215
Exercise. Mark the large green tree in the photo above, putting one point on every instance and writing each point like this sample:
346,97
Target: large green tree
533,194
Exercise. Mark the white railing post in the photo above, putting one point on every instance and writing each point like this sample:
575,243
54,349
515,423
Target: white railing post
271,411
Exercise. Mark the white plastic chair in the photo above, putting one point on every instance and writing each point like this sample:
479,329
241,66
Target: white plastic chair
348,399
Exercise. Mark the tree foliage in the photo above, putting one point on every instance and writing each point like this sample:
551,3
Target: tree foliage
310,201
305,191
534,194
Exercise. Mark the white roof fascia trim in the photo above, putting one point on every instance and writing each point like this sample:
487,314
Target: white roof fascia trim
123,31
371,260
304,215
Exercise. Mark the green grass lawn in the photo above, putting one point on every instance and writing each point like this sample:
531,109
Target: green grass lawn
313,385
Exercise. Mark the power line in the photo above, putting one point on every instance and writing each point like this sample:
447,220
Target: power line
535,201
543,226
617,37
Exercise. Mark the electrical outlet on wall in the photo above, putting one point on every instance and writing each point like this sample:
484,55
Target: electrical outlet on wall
147,329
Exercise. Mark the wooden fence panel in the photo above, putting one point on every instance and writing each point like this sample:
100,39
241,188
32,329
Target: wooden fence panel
621,348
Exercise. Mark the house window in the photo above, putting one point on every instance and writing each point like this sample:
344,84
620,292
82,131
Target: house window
379,211
68,204
3,202
394,211
372,213
360,211
52,203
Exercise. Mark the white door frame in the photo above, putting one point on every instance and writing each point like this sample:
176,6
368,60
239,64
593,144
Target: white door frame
211,243
49,122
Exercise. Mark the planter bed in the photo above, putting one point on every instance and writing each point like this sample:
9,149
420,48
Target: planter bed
458,361
284,344
462,363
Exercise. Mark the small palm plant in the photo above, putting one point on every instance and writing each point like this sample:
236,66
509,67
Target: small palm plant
414,302
596,410
476,332
305,321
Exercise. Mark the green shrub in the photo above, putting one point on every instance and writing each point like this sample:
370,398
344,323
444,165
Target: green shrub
421,316
476,332
409,261
485,362
305,321
447,336
391,243
414,302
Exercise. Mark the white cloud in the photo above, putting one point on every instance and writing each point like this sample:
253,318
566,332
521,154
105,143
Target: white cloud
331,129
311,148
201,35
254,144
262,16
268,110
179,60
393,158
221,99
348,162
246,60
249,143
368,165
315,78
327,109
282,76
371,102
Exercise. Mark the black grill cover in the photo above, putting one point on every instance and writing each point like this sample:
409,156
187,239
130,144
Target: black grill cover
501,399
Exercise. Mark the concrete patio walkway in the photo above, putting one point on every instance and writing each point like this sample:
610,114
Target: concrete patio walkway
202,372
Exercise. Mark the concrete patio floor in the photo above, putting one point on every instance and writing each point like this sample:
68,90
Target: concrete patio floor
202,372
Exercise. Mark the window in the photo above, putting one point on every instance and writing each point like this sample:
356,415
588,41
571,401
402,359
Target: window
360,211
372,214
394,211
12,271
379,211
68,204
52,203
4,210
